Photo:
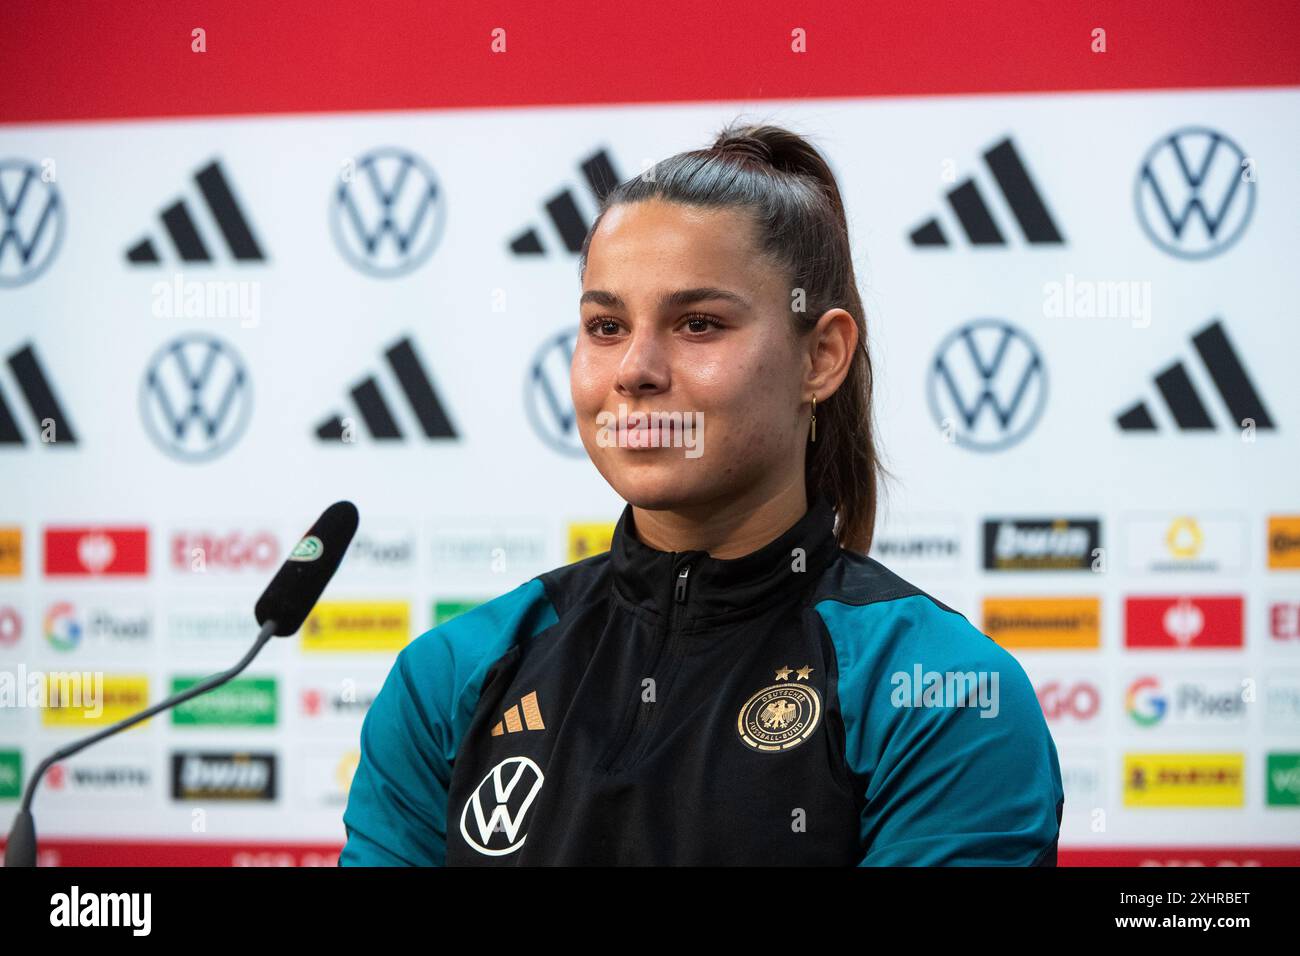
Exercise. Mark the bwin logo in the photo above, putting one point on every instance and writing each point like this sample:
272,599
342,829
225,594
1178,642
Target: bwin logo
499,805
196,397
987,385
388,212
31,222
563,212
1195,193
548,399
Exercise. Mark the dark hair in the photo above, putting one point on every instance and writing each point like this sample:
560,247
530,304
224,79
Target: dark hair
795,202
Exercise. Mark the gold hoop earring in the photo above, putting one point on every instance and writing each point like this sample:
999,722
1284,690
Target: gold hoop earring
814,418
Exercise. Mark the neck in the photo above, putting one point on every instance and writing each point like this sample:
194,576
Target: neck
725,528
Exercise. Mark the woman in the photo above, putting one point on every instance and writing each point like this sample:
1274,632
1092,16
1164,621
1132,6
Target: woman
734,682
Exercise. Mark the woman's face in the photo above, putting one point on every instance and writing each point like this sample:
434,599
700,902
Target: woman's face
680,313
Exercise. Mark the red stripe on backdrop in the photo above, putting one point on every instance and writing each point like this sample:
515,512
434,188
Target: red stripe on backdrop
73,852
1182,856
80,60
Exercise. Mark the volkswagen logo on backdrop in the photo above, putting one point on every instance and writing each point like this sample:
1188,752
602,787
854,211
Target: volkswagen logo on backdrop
196,397
388,212
31,221
987,385
1195,193
547,398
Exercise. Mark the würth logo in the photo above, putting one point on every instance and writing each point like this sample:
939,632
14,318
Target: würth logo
31,221
967,203
414,383
562,210
183,230
1183,399
47,414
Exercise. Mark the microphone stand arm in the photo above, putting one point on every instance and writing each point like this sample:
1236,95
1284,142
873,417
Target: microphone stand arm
21,847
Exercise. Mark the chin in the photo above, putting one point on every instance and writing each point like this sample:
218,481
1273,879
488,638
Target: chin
657,486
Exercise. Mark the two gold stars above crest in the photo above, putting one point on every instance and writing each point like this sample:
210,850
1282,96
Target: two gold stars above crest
785,672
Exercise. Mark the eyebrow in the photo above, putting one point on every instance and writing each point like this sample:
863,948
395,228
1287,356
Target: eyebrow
669,300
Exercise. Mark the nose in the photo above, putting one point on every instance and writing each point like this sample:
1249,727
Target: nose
644,366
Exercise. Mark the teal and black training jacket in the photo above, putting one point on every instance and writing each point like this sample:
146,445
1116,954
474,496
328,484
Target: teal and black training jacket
799,705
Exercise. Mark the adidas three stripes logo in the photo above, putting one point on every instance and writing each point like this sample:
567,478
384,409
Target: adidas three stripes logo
184,232
375,410
525,715
1229,377
974,215
563,212
41,402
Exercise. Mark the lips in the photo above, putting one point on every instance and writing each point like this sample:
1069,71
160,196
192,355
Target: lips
666,427
650,428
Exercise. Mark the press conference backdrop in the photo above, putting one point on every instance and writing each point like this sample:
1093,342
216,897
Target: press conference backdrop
1082,313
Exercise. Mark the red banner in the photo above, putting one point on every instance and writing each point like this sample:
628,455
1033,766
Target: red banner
147,59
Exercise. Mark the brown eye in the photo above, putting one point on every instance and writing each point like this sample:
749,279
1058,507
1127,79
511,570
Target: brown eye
699,324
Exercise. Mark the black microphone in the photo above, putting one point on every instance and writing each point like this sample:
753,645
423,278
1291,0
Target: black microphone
293,592
280,611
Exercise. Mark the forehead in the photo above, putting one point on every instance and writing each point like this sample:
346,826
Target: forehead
650,243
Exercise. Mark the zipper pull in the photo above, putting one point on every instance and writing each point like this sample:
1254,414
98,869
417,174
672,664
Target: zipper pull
679,593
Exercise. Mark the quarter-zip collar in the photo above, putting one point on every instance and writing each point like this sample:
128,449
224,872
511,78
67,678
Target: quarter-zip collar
693,585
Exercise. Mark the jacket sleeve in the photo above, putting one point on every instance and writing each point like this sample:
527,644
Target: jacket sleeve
944,785
397,806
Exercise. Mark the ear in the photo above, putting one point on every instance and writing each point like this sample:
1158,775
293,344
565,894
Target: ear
831,347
